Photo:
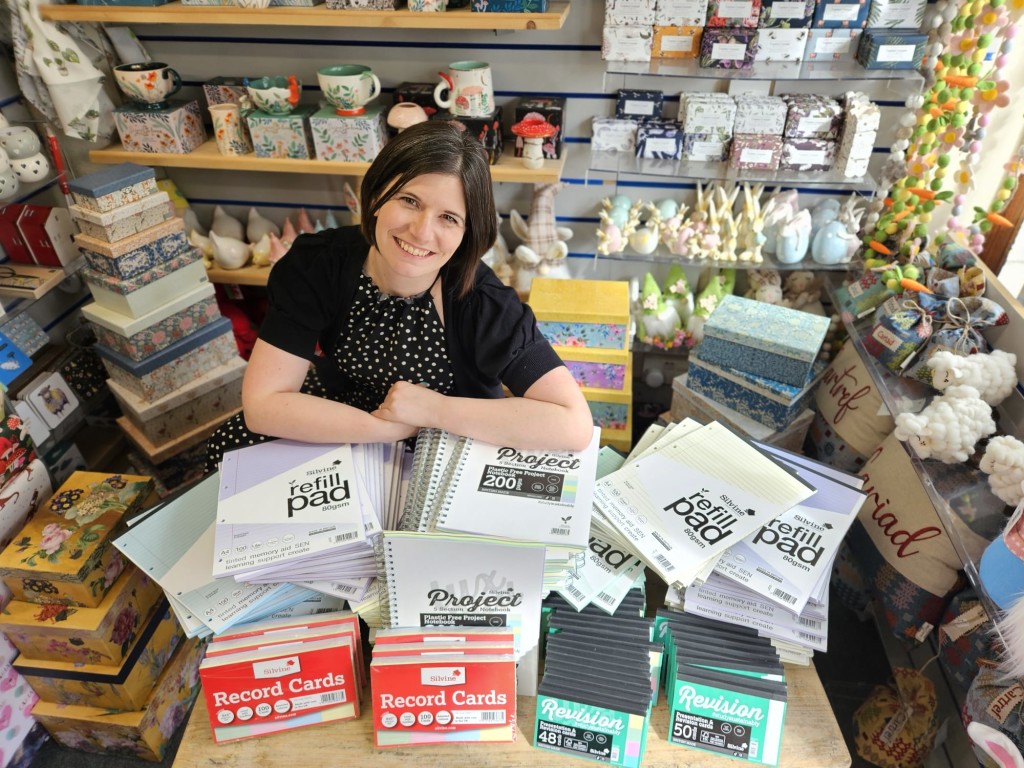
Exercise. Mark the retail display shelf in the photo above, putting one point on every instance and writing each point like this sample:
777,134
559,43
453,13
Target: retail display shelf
508,168
625,163
28,281
763,70
249,275
663,256
959,492
316,16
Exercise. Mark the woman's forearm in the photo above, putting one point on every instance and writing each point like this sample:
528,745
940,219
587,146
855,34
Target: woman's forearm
312,419
518,421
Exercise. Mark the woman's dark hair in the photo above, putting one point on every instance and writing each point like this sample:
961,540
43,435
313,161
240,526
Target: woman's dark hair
442,147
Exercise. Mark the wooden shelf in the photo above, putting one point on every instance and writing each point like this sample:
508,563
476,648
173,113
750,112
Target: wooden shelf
317,16
245,276
30,281
508,168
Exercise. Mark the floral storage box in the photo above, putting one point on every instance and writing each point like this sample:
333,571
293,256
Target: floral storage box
892,49
728,47
143,733
149,289
791,14
63,554
598,368
101,635
772,403
216,392
610,408
284,136
832,44
138,338
775,342
178,129
582,313
125,220
24,491
176,365
137,253
681,13
676,42
355,139
125,686
113,187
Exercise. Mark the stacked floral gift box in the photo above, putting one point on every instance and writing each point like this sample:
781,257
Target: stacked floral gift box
761,361
587,322
171,357
97,642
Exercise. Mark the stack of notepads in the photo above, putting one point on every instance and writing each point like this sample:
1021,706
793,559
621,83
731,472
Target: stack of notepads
596,695
748,531
725,688
443,685
281,674
759,359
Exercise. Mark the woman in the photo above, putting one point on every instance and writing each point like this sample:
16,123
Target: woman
405,326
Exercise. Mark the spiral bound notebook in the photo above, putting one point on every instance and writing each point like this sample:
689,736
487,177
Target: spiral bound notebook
448,580
542,496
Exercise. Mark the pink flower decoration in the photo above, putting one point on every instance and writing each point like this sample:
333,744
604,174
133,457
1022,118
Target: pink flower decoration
53,537
986,101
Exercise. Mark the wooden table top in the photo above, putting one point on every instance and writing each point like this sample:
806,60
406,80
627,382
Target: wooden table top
811,739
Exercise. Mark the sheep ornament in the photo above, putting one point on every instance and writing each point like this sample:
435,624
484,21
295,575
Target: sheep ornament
994,375
1003,462
949,427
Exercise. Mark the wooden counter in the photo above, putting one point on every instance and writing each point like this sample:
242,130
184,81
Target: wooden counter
811,739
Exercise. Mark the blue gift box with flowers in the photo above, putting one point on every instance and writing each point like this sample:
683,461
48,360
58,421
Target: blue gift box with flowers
284,136
176,129
355,138
775,342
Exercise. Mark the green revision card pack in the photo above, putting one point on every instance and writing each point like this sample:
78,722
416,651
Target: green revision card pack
727,714
588,730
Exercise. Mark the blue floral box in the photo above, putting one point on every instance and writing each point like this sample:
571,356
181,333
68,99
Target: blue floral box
131,256
140,294
609,408
771,341
177,129
284,136
582,313
659,139
774,404
349,139
892,49
125,686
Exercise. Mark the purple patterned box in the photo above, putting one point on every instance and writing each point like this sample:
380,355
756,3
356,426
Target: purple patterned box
733,13
598,375
131,256
808,154
755,151
138,338
175,366
728,47
178,129
662,139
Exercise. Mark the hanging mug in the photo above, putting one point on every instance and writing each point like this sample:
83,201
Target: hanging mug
470,93
148,83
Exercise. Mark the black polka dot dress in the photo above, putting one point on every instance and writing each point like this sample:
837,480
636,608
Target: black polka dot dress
386,339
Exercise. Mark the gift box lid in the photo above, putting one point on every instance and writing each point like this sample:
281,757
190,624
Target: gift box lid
19,615
172,226
122,211
129,326
768,327
160,629
207,333
124,287
111,179
777,391
173,106
580,301
69,534
209,381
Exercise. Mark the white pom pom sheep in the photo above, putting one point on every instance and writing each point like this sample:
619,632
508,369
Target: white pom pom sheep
1003,462
994,375
949,427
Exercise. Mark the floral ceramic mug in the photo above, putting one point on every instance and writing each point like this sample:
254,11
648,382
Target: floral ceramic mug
147,83
348,87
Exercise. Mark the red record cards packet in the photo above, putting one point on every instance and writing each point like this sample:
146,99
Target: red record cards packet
292,628
428,649
432,699
279,687
443,635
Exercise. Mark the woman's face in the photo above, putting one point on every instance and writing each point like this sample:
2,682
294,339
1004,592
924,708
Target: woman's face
422,225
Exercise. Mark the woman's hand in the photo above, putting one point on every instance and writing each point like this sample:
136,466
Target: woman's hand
411,404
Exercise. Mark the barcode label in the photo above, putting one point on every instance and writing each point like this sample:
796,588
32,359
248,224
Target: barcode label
335,697
812,623
561,531
663,562
785,596
577,593
604,597
344,537
808,636
493,716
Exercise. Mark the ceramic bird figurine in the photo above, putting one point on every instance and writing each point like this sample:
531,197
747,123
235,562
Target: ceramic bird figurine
258,226
261,251
277,248
204,245
303,223
229,252
288,233
226,225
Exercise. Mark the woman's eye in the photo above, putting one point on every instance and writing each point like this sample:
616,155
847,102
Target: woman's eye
409,200
451,219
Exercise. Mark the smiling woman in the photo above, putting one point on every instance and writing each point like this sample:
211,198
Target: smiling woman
404,326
